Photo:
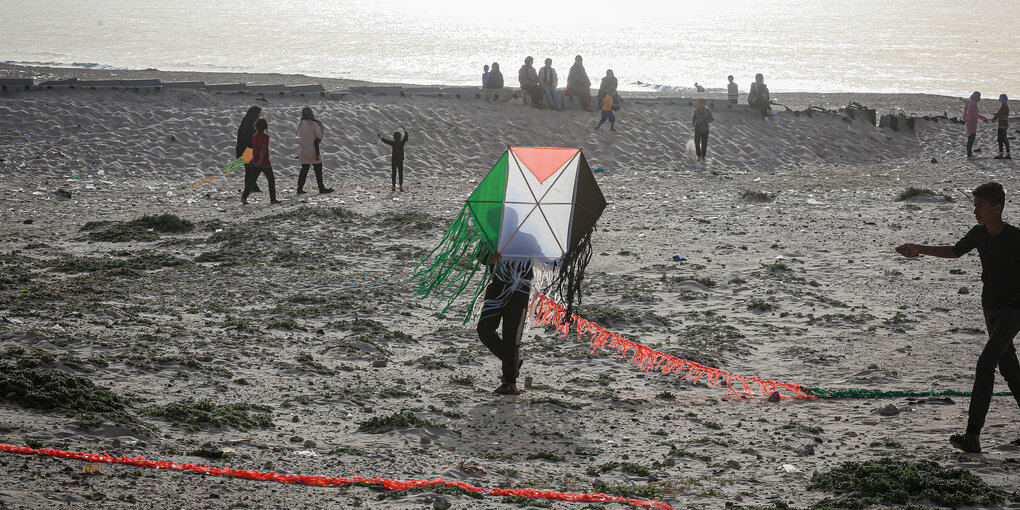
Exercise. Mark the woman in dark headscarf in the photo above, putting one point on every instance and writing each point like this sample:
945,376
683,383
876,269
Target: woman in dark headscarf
609,82
244,133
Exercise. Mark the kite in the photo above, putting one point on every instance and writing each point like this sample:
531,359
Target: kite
536,208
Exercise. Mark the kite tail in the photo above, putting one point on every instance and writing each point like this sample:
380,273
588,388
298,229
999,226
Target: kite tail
567,282
448,270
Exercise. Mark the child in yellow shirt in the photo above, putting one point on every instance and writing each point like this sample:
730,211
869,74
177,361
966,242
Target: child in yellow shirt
607,111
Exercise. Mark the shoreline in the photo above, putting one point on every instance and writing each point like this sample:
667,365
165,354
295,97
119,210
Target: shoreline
917,104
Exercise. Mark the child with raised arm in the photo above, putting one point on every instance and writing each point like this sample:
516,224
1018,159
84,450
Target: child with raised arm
998,246
397,158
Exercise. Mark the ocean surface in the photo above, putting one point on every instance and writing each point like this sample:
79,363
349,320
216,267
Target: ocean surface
932,46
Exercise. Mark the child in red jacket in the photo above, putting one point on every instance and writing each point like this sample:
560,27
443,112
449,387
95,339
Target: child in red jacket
260,162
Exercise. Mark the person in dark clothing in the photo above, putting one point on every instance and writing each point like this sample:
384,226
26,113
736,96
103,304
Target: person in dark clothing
495,77
607,84
397,158
1002,117
506,301
528,78
260,163
244,133
702,117
579,85
998,246
758,97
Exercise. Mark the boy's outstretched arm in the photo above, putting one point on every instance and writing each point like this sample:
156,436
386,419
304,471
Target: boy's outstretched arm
913,250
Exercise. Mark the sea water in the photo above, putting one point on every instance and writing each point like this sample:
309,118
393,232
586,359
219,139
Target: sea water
934,46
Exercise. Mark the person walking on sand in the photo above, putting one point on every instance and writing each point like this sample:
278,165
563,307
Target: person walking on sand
758,97
609,82
528,79
244,133
607,111
1003,117
549,81
970,121
998,246
260,163
732,91
397,158
578,84
310,133
506,301
702,117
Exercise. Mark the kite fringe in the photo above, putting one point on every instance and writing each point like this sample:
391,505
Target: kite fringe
543,311
567,283
453,264
324,481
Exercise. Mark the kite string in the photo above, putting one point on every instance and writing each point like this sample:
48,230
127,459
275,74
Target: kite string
323,481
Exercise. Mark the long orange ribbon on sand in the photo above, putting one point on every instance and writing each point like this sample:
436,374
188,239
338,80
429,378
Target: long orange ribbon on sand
545,312
324,481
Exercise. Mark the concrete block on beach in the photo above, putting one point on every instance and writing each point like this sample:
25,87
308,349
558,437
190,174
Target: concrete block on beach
376,91
100,84
310,89
193,85
280,89
142,86
229,88
462,92
420,91
69,83
16,85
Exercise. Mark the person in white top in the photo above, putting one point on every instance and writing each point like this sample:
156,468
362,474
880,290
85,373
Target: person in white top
310,132
549,81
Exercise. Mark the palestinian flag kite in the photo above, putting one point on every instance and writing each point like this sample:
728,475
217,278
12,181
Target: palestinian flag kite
536,208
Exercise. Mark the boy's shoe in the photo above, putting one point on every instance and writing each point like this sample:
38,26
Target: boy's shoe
998,157
1007,156
508,389
771,111
971,158
302,192
275,202
323,191
966,442
766,119
244,201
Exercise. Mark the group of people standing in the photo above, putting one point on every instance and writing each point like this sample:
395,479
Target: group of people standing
253,147
1001,117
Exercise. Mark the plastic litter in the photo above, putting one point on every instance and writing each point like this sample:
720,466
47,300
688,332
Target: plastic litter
597,170
10,321
678,258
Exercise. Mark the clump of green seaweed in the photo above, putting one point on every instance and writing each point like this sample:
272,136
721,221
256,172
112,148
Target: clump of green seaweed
889,481
144,228
192,414
56,390
401,420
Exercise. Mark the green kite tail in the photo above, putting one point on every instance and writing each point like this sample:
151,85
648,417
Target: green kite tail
448,269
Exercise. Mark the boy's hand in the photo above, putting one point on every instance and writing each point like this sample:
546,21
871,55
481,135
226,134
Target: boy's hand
908,250
379,135
494,258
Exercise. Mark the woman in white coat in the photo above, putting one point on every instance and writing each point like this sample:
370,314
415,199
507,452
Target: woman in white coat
310,133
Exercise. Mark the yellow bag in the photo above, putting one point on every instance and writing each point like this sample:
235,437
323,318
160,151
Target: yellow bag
248,155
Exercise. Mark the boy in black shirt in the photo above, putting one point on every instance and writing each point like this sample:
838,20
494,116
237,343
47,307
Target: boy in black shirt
998,246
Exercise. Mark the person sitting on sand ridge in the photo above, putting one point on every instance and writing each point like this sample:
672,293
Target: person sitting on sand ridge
579,84
998,246
528,79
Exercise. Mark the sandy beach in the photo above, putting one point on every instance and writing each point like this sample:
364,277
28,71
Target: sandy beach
304,310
